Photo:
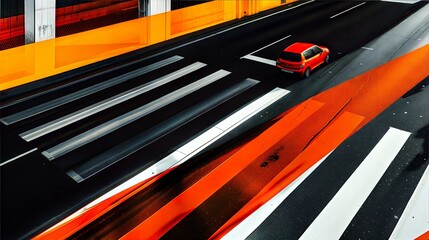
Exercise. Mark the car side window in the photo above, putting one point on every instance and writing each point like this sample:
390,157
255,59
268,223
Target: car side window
317,50
309,54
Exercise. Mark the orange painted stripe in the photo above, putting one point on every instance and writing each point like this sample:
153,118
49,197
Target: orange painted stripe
382,86
424,236
346,96
369,94
67,228
169,215
331,137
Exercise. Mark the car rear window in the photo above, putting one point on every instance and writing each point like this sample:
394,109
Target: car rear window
289,56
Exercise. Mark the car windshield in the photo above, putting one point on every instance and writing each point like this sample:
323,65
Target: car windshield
289,56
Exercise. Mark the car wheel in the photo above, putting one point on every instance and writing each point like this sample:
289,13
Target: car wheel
307,73
327,59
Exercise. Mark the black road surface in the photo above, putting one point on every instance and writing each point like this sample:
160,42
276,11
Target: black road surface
39,185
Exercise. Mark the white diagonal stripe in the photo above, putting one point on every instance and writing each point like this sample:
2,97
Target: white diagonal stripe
17,157
415,218
248,225
62,100
260,59
191,148
59,123
336,15
129,117
269,45
337,215
402,1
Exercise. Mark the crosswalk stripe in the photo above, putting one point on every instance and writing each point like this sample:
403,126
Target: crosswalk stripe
80,80
107,103
19,116
88,168
195,146
415,218
332,135
122,120
336,216
248,225
178,157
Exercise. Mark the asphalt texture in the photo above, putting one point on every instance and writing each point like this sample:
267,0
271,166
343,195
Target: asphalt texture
36,192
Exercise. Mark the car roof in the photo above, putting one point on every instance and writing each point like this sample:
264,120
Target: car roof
298,47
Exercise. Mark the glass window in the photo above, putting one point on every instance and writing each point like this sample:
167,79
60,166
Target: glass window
289,56
309,53
317,50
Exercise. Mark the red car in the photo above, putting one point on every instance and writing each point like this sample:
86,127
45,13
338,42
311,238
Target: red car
302,58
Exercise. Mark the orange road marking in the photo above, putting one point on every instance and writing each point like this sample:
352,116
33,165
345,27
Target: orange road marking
349,106
424,236
169,215
331,137
367,95
67,228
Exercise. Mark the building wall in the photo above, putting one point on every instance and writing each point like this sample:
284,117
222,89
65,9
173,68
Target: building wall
35,61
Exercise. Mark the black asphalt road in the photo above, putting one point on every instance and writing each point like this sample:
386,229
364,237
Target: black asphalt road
37,192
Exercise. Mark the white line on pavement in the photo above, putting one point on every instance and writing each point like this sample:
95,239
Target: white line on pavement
402,1
336,15
229,29
248,225
17,157
259,59
268,45
191,148
415,218
337,215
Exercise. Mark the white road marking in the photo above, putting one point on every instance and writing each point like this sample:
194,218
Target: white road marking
260,59
172,59
59,123
402,1
415,218
231,28
129,117
268,45
84,92
17,157
368,48
191,148
336,15
248,225
337,215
